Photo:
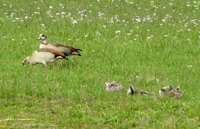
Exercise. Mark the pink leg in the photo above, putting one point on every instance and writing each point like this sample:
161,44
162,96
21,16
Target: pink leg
61,62
54,64
45,65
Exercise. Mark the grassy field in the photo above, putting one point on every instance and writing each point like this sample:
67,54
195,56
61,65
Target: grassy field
148,44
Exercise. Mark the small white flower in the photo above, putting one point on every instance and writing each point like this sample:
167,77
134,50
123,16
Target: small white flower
36,12
98,33
63,13
26,17
13,39
189,66
86,35
74,22
117,31
148,37
57,13
50,7
61,5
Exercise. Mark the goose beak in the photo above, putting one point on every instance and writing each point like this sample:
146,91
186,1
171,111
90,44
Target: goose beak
23,63
39,39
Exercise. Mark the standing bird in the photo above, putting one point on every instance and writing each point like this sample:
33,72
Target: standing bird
44,56
66,50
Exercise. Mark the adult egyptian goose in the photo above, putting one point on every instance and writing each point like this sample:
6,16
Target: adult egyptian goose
113,86
170,91
67,50
132,91
44,56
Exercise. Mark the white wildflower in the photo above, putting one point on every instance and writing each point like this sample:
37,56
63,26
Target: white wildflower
74,22
63,13
36,12
189,66
117,31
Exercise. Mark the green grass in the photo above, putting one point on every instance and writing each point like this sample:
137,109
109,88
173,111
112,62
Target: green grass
158,45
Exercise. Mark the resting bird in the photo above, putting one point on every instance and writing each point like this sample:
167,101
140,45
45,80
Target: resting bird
67,50
113,86
132,91
44,56
170,91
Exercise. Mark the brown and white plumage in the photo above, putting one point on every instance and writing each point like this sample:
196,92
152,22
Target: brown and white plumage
170,91
67,50
113,86
44,56
132,91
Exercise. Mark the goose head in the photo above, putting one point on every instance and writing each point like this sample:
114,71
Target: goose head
42,37
26,61
130,90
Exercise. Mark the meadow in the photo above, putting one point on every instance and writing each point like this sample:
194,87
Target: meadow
148,44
